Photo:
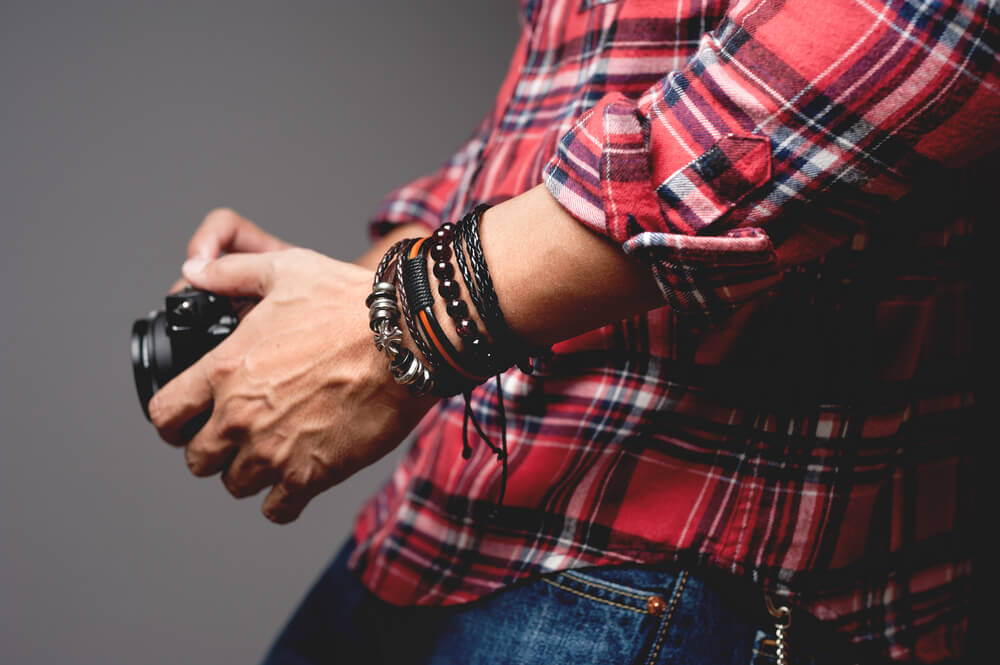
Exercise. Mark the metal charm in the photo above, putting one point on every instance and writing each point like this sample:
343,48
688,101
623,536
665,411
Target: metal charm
383,319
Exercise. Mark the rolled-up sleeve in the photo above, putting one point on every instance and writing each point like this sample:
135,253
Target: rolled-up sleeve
789,113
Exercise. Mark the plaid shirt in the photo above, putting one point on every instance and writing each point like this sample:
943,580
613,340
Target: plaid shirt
801,178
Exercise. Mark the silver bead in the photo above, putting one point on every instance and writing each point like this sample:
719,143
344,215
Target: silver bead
425,383
411,372
377,317
382,300
382,303
381,290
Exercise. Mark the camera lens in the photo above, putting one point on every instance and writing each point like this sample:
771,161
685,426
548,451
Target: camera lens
152,357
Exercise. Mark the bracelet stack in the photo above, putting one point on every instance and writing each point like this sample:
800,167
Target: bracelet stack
405,287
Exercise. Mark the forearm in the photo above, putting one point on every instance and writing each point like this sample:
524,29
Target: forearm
554,277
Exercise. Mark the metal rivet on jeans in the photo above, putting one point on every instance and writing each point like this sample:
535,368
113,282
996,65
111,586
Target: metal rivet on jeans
656,605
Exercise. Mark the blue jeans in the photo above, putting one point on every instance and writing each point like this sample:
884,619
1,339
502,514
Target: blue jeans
634,614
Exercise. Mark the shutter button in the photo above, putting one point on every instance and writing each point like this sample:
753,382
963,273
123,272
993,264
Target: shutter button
656,605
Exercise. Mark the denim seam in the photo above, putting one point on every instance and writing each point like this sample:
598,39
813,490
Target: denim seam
587,580
670,614
597,598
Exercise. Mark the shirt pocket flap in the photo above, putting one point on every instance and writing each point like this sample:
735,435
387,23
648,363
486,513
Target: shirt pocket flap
712,184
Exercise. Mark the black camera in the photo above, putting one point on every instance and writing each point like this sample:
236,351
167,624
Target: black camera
170,340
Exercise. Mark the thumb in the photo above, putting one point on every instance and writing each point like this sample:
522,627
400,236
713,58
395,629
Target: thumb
232,275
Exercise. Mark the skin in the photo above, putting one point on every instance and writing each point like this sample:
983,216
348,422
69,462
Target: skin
299,397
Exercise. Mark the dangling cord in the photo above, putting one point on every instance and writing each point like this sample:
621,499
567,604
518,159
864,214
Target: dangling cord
500,452
503,452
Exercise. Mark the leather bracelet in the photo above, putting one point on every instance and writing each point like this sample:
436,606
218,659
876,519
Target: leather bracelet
407,310
451,377
464,323
509,347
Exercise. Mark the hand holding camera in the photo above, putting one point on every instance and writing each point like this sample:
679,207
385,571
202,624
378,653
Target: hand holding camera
297,396
193,322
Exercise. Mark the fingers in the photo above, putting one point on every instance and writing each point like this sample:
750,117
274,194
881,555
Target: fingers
297,487
209,452
186,397
285,503
232,275
250,471
223,230
178,286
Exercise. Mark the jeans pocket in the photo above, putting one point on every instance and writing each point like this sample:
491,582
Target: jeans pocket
648,595
647,590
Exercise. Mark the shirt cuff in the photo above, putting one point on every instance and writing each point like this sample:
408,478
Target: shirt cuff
615,175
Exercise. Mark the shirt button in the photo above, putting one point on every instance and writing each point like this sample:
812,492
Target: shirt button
656,605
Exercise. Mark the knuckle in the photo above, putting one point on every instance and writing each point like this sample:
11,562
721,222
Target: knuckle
297,482
263,280
220,365
173,437
236,419
239,488
259,462
221,216
280,517
197,462
157,415
283,512
293,256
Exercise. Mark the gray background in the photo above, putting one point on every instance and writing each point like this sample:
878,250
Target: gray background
121,124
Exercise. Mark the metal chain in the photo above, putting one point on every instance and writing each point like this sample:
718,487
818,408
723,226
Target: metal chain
782,622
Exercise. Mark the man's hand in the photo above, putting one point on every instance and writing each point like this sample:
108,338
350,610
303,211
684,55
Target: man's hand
299,397
225,231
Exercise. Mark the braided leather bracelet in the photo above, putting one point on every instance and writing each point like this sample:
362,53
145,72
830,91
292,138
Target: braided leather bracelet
510,348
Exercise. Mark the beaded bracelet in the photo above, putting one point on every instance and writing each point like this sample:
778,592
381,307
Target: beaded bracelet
477,352
452,377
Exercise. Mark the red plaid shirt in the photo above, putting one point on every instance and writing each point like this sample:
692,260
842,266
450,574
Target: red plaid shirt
800,176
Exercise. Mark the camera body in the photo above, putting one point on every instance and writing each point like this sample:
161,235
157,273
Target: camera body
170,340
